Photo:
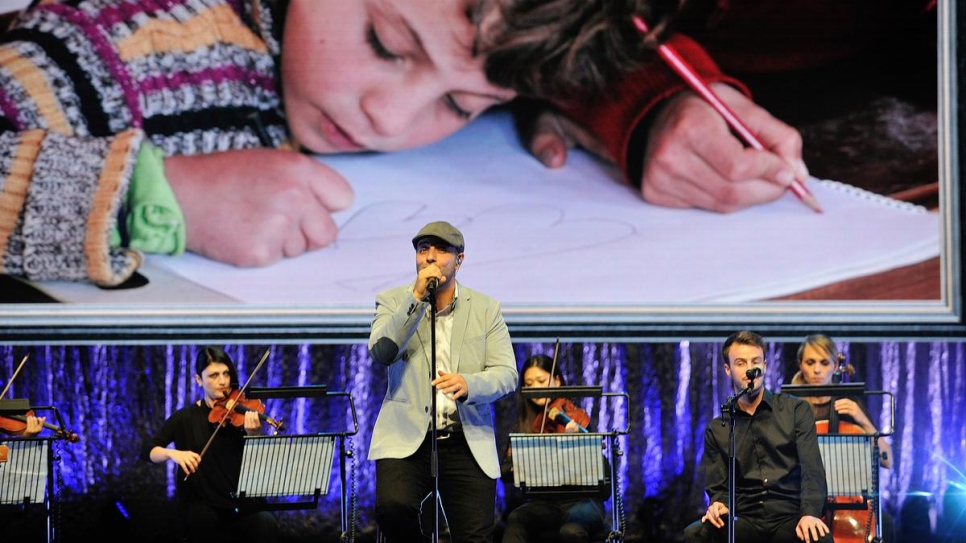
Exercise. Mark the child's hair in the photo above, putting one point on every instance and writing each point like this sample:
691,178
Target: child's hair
527,411
567,48
557,49
212,355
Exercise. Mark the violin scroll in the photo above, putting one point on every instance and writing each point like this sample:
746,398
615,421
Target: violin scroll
844,369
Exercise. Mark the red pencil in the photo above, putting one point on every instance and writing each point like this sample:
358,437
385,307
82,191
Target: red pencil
683,69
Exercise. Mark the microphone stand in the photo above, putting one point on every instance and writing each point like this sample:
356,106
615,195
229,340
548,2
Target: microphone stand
731,408
434,449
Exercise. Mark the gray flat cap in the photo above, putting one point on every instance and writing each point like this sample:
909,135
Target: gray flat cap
442,230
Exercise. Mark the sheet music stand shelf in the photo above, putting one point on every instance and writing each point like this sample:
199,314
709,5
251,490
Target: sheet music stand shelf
293,471
578,465
287,466
27,476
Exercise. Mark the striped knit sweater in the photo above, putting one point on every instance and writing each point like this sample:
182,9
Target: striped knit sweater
84,83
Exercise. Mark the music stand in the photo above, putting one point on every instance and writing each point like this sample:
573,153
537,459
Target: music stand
571,464
27,475
24,476
851,460
296,467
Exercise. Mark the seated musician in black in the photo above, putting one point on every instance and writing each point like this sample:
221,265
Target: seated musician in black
821,363
780,488
205,483
563,517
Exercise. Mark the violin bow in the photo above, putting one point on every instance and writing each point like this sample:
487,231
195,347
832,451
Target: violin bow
228,411
10,382
553,370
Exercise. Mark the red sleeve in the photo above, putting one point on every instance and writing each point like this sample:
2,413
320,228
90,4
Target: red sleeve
614,118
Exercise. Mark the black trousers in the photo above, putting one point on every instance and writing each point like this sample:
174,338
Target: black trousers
206,524
749,529
468,495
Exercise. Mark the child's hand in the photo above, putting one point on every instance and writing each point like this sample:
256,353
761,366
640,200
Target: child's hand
253,207
550,134
693,160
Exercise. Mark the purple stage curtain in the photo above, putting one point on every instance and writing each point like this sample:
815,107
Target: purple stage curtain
114,396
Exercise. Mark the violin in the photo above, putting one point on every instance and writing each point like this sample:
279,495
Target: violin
239,405
558,414
16,425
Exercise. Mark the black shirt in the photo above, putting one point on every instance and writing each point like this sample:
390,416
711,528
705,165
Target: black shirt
217,474
778,466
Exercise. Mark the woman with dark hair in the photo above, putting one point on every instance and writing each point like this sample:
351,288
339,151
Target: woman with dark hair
570,519
206,506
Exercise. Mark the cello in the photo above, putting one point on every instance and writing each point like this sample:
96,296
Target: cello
851,522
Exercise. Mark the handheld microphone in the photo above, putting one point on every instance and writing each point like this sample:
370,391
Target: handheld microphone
432,285
558,416
753,373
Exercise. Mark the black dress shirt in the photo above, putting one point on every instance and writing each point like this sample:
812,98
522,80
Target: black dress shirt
778,466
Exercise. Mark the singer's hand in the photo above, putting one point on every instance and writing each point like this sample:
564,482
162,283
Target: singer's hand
451,383
421,289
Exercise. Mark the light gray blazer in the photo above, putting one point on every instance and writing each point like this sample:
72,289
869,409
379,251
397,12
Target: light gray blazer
481,353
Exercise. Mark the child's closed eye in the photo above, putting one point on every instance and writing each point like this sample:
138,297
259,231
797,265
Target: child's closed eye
455,107
372,38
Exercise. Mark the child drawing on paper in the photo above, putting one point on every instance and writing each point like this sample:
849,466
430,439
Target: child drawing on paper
188,125
681,153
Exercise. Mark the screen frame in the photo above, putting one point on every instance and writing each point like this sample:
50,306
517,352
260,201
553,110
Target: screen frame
864,320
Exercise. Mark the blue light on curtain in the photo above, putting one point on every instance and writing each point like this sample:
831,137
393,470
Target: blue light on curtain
115,396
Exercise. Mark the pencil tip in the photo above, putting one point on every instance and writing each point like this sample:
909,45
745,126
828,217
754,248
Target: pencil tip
812,203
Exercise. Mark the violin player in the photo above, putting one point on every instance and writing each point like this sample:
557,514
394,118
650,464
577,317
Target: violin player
210,455
27,426
575,520
30,426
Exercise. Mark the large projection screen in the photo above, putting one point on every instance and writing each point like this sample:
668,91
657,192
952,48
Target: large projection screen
570,252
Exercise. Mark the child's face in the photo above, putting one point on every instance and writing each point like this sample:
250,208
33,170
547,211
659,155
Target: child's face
381,75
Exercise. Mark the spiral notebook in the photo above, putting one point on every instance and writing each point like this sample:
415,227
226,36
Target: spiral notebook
574,236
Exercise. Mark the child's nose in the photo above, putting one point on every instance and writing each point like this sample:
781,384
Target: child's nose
396,112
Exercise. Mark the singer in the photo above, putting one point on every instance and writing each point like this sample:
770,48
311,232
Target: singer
205,505
780,487
476,367
576,520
